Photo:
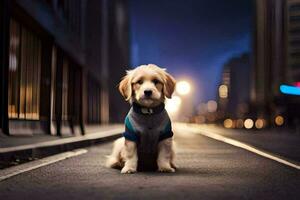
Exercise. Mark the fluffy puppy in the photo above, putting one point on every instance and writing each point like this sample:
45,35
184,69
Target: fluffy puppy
147,141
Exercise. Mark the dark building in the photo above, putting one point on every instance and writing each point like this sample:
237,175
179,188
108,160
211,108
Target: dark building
276,59
234,90
60,63
118,57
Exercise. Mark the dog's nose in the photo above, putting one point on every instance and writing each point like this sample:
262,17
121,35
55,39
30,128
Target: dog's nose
148,93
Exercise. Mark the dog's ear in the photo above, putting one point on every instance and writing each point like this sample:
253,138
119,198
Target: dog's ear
169,85
125,87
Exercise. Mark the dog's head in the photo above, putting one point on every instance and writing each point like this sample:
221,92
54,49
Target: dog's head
147,85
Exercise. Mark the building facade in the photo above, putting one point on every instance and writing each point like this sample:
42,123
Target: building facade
251,86
276,59
60,64
234,89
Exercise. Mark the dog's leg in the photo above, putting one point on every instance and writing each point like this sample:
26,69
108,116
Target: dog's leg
130,157
173,155
165,156
114,159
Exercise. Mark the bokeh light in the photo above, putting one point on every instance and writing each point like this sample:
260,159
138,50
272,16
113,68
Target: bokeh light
228,123
212,106
183,87
248,123
279,120
259,123
239,123
200,119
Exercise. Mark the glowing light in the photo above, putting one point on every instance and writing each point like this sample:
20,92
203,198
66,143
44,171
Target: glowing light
292,90
297,84
279,120
173,104
239,123
183,87
211,118
200,119
212,106
248,123
202,108
223,91
228,123
259,123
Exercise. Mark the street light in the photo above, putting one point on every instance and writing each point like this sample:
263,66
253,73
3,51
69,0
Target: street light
183,87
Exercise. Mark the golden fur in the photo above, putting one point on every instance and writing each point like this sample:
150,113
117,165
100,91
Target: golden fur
132,87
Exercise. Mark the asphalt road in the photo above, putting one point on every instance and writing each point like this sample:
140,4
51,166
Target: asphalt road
208,169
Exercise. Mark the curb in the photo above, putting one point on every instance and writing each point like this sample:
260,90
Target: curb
245,146
21,154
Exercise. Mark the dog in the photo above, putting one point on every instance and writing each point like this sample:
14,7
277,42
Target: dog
147,142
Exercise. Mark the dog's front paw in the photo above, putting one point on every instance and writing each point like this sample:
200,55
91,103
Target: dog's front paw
173,165
128,170
166,169
112,162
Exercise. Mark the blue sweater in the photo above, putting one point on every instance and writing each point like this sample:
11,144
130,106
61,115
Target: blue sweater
147,127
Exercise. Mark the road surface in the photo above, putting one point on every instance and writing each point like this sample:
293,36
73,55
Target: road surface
208,169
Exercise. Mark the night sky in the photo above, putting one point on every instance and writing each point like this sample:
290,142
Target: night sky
191,38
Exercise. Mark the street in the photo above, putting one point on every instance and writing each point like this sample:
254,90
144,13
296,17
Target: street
208,169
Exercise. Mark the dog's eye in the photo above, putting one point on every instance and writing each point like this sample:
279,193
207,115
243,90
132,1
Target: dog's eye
155,81
140,82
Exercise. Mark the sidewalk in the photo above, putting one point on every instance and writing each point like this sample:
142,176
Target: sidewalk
19,149
281,141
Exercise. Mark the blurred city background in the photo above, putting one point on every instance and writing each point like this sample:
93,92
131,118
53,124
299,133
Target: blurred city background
235,110
237,63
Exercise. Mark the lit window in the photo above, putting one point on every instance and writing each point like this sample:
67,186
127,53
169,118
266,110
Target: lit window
223,91
24,73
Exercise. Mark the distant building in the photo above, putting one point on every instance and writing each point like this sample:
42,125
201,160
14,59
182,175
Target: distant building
234,89
276,59
60,62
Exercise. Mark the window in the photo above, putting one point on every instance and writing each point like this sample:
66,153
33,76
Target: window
93,101
24,73
13,74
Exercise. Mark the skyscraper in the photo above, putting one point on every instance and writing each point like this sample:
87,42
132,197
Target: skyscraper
276,58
